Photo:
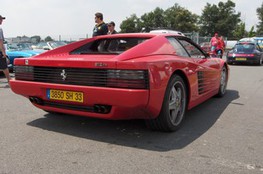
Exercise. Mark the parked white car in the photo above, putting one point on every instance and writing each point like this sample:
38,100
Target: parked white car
230,44
48,45
167,31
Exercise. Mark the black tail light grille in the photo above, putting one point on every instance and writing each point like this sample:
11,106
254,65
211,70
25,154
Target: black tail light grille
133,79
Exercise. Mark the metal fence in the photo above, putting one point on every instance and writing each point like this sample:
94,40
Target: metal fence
199,39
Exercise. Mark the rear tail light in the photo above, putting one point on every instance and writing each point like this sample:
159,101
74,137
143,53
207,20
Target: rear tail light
24,72
250,55
134,79
242,55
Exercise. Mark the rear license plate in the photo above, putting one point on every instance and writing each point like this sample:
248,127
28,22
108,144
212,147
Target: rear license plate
72,96
241,58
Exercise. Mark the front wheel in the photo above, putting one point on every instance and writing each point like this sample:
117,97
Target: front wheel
173,107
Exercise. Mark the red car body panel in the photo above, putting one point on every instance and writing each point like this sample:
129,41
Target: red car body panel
159,59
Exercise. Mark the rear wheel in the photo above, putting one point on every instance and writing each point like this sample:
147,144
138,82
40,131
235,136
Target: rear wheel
223,83
173,107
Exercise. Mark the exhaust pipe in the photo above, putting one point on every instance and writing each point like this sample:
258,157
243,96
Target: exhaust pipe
36,100
31,99
103,109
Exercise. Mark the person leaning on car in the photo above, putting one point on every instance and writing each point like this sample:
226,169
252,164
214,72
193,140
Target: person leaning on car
100,28
3,56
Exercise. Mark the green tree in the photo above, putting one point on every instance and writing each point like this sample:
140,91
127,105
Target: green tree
154,19
260,17
221,18
179,18
176,18
131,25
48,39
252,32
35,39
240,31
208,20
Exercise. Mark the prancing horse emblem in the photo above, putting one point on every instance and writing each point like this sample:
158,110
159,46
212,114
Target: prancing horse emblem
63,74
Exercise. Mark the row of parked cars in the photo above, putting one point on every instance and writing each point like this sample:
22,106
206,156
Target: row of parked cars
246,50
23,50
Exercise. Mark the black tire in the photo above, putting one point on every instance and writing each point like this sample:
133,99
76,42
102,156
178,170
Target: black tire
173,107
229,63
223,82
260,62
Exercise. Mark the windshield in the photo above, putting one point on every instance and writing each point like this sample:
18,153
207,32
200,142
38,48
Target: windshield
24,46
13,47
57,44
109,46
18,46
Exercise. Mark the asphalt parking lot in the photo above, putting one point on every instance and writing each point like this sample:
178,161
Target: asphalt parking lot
222,135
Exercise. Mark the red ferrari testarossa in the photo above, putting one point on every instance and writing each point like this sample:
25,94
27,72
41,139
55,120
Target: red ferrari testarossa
155,77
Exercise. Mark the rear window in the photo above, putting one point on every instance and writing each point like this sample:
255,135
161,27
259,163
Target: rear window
244,47
109,46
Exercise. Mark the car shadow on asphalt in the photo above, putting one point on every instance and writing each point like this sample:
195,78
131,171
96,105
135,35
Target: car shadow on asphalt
134,133
245,64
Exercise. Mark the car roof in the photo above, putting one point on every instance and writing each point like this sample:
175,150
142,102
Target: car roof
248,39
247,42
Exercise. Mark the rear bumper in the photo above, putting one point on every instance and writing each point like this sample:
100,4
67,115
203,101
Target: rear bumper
119,103
250,60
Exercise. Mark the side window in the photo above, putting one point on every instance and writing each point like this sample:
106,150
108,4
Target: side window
179,50
192,49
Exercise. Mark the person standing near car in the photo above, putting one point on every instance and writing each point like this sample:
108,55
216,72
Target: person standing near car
3,56
111,28
214,42
220,47
100,28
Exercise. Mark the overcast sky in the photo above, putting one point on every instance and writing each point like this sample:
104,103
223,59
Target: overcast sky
75,18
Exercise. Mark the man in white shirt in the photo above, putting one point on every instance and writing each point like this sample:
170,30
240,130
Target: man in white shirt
3,56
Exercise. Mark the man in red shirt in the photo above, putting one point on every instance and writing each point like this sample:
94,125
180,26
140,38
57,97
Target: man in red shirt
214,43
221,44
